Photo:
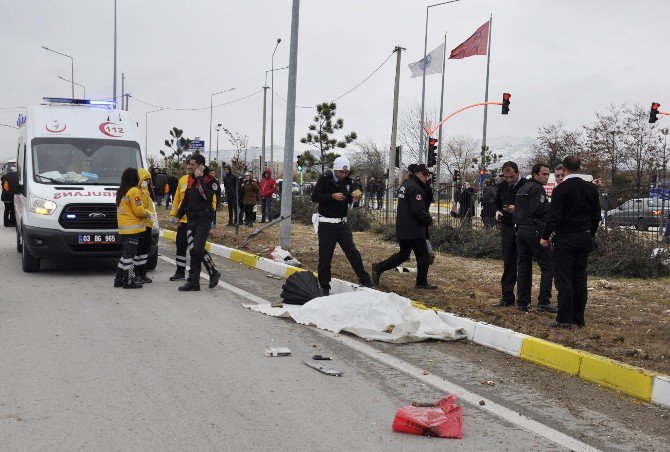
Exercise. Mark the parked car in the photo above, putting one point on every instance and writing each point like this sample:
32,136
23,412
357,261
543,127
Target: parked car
642,213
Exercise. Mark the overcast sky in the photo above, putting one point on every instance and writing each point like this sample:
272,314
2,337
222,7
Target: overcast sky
561,60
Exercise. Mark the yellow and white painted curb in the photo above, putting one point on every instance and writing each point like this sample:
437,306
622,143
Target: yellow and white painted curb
634,381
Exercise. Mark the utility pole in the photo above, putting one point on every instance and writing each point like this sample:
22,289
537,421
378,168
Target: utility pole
114,83
289,135
127,99
394,133
265,95
439,133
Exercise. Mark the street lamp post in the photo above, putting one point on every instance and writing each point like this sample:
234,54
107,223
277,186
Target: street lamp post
265,89
71,65
218,129
423,84
146,133
211,111
272,104
78,84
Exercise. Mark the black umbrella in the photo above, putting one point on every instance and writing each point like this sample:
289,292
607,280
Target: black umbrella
300,288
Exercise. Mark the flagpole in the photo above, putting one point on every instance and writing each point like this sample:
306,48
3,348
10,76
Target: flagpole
439,133
486,94
423,88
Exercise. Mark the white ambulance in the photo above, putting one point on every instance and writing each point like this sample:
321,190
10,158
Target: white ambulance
70,157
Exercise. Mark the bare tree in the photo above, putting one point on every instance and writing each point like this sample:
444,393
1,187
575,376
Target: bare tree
604,145
460,153
640,143
553,143
409,118
369,159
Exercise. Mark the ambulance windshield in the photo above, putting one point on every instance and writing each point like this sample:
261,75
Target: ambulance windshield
82,160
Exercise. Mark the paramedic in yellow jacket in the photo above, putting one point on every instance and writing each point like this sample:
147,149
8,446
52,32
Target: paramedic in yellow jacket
148,198
130,215
184,238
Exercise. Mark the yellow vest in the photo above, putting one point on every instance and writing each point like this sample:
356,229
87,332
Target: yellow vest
131,212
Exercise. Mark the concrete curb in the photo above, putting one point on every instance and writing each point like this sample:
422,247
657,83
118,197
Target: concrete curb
634,381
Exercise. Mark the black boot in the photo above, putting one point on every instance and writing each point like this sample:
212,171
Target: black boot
213,273
141,274
118,278
189,286
179,274
130,283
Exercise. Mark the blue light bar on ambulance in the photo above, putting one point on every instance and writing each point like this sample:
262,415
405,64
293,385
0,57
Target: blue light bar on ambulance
65,100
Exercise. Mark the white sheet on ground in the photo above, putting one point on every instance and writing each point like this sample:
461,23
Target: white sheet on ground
368,314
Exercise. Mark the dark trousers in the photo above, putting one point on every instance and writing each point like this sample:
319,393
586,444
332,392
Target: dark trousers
140,260
380,200
420,248
331,234
528,248
266,208
199,229
232,208
129,244
570,258
248,211
182,244
508,279
8,214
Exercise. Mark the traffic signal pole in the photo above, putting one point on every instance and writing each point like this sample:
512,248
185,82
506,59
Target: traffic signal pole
439,133
394,135
430,131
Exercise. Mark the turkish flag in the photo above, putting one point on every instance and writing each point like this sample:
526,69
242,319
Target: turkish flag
475,45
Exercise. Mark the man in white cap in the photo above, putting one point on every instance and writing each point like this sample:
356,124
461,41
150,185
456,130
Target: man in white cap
333,193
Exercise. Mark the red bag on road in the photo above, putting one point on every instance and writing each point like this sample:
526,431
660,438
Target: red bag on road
444,420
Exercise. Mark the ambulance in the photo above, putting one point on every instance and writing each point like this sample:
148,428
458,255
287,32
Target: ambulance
69,160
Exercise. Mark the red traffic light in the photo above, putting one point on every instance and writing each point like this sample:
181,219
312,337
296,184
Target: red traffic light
432,141
505,103
653,114
506,96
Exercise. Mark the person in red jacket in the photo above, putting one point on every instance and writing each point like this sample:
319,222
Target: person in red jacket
267,188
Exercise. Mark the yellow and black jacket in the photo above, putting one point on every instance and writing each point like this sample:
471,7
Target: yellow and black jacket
147,202
130,213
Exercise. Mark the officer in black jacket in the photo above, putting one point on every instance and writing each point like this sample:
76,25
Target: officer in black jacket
574,217
411,227
504,202
530,211
230,185
333,193
8,199
198,206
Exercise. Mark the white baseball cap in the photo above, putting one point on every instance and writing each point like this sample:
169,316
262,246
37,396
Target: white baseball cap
341,164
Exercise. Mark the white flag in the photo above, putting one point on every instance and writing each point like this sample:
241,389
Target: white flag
433,63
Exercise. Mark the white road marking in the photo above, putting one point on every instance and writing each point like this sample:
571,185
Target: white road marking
504,413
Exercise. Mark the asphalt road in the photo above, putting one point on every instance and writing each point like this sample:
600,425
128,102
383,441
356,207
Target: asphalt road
87,366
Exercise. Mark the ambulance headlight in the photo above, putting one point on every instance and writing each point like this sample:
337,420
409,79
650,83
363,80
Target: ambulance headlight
42,206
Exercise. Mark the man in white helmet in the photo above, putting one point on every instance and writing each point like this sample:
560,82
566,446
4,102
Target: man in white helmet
333,193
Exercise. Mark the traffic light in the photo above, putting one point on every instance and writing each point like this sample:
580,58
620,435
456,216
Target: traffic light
432,153
300,163
505,103
398,153
653,115
456,176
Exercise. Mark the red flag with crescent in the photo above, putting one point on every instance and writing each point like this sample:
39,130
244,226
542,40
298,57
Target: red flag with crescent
475,44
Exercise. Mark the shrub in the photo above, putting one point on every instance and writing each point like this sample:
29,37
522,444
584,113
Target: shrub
302,208
386,231
625,253
360,219
480,243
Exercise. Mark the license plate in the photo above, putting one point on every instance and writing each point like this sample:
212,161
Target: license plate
97,239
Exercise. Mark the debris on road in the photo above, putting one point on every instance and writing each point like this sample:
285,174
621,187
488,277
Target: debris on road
324,370
322,358
277,351
280,255
441,419
406,269
489,382
277,304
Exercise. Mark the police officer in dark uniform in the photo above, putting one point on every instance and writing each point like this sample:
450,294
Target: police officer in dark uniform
504,202
198,206
574,217
411,226
333,193
530,211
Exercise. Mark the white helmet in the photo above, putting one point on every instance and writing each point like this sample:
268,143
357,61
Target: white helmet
341,164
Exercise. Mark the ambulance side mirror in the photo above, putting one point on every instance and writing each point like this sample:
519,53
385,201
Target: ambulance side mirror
12,178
